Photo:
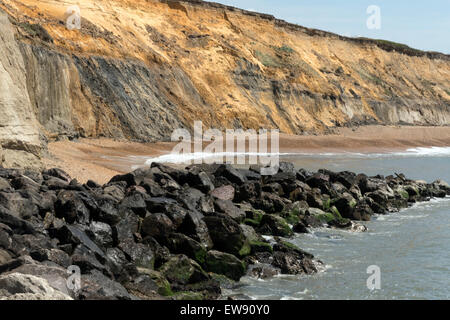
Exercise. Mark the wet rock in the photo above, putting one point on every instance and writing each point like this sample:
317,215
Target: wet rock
149,285
195,227
116,260
179,243
275,225
263,271
292,260
57,173
159,204
227,235
115,191
18,225
300,227
346,205
129,179
270,203
226,264
182,270
194,200
4,256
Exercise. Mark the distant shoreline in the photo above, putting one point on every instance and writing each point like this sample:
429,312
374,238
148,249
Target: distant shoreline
101,159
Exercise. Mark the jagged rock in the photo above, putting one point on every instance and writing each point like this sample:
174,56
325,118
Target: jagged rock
150,285
227,235
194,200
107,211
346,205
195,227
227,207
224,193
54,255
140,254
182,270
95,286
231,174
18,205
179,243
57,173
226,264
71,234
292,260
134,201
102,234
157,225
18,286
275,225
247,191
70,206
126,228
199,179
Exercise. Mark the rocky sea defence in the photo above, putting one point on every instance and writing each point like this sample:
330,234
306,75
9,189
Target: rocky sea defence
168,233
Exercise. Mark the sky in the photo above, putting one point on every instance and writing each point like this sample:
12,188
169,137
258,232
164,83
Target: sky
420,24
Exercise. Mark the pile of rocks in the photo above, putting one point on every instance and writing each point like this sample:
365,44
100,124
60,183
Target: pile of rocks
166,233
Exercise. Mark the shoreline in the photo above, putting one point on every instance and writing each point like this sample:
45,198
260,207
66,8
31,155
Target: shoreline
101,159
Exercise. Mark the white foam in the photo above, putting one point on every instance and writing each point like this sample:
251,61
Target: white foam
412,152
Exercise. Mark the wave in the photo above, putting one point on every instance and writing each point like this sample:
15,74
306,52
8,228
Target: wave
189,157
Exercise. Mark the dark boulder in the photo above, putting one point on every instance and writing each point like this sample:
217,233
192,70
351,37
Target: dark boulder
230,209
179,243
225,264
231,174
182,270
57,173
227,235
195,227
157,225
275,225
101,233
70,206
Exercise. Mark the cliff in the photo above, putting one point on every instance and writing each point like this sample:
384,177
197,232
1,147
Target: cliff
137,69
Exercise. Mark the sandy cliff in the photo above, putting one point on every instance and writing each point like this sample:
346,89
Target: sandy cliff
137,69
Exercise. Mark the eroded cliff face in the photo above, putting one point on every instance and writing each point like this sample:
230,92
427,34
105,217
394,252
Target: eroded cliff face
137,69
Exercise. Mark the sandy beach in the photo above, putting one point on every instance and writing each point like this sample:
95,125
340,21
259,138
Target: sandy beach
101,159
